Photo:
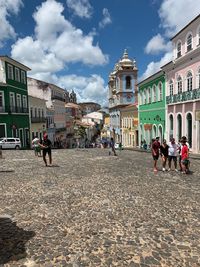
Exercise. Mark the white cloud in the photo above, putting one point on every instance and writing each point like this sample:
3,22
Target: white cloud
157,44
153,67
6,8
106,18
56,42
81,8
175,15
91,88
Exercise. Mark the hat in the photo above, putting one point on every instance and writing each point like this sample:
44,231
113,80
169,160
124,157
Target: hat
157,137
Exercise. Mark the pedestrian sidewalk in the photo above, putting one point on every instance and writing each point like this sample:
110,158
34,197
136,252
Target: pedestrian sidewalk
192,156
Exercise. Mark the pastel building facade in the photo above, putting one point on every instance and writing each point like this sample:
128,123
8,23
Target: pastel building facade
152,107
183,86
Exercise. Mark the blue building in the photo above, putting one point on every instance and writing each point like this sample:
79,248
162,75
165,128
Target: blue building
122,92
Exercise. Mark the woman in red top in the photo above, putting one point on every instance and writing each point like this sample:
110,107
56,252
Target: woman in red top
184,156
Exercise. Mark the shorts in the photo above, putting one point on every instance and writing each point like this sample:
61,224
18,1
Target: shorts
174,158
185,162
46,151
155,157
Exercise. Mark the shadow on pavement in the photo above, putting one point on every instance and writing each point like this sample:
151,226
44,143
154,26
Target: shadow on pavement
12,241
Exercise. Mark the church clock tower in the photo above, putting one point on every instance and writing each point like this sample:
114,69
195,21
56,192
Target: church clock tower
122,86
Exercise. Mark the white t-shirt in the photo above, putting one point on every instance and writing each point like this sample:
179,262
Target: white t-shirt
172,151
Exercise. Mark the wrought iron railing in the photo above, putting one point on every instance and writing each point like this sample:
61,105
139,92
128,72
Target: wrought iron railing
37,119
184,96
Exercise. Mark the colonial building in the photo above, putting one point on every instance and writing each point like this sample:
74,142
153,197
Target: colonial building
129,125
183,86
37,108
55,103
73,114
152,107
122,92
14,112
88,107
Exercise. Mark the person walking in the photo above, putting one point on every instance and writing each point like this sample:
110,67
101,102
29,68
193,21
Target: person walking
155,152
164,154
36,146
172,154
112,147
46,149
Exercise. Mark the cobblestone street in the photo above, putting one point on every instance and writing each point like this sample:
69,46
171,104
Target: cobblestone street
90,209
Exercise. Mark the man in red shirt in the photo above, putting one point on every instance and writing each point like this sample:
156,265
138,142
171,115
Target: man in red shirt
184,156
155,152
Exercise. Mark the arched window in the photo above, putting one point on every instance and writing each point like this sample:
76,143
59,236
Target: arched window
198,34
154,94
145,96
149,95
189,128
141,99
198,81
179,49
154,131
171,126
128,82
189,81
179,85
179,126
160,95
189,42
171,87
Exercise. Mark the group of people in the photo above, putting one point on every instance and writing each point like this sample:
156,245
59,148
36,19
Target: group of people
45,146
169,152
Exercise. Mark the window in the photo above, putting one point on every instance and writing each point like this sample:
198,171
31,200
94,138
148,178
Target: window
149,95
171,87
179,85
128,82
17,76
145,96
10,72
23,77
31,112
189,42
19,103
24,101
198,83
1,101
160,91
39,112
12,101
154,93
35,112
179,49
198,36
189,81
42,113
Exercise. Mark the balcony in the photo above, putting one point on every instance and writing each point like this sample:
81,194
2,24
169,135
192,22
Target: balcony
183,97
2,109
55,97
38,119
14,109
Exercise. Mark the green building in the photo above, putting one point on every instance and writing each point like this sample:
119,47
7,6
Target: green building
14,111
152,107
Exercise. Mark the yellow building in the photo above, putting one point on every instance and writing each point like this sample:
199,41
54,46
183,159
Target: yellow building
129,125
105,132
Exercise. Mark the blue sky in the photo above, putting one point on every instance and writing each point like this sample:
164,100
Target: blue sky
75,43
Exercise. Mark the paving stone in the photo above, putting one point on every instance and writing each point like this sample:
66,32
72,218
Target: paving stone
92,210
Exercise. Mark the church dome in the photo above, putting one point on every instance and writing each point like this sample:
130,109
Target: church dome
126,61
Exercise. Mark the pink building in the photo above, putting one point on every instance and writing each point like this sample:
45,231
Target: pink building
183,86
